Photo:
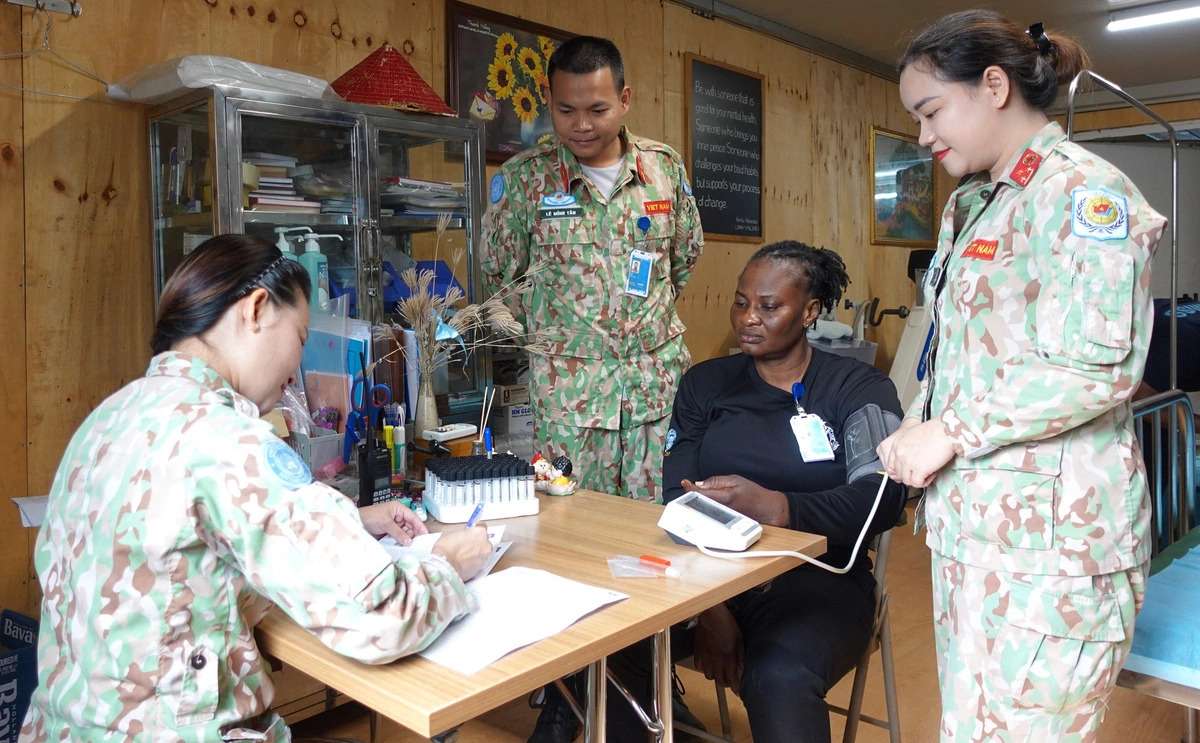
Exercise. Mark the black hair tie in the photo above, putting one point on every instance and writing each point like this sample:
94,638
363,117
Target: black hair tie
1037,32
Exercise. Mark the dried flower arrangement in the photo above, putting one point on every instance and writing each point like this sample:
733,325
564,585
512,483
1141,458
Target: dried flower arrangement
445,333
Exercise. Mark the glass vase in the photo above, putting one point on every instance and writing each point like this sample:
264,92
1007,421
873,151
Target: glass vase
425,415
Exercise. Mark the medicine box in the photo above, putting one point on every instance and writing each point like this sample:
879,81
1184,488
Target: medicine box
515,419
18,671
512,394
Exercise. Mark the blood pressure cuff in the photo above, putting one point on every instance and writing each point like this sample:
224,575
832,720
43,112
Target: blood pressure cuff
866,428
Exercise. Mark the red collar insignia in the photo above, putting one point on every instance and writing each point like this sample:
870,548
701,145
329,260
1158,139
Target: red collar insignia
1025,168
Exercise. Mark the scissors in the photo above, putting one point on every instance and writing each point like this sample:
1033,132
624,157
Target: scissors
367,400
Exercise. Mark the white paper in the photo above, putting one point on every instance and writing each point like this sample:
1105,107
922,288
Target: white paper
423,545
517,606
33,509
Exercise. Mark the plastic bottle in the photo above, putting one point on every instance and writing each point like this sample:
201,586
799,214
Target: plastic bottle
317,266
282,243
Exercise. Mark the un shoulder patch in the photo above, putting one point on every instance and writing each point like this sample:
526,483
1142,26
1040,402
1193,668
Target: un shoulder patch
1099,214
670,440
496,188
286,465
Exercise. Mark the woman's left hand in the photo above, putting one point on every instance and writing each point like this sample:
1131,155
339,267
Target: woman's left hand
914,454
393,519
747,498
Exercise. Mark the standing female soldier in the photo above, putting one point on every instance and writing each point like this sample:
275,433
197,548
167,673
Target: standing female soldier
177,518
1036,498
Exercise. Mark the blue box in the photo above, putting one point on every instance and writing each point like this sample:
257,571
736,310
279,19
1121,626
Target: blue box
341,281
18,671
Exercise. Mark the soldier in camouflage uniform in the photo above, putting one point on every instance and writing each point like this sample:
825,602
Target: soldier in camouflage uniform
612,218
178,518
1036,498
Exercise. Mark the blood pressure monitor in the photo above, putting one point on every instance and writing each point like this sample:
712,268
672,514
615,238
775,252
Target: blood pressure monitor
698,520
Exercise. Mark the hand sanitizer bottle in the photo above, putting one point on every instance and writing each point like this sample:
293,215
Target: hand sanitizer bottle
317,266
282,243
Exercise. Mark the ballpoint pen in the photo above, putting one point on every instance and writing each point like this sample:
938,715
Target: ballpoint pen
475,514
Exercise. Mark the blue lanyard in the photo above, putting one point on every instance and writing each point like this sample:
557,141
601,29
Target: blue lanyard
797,393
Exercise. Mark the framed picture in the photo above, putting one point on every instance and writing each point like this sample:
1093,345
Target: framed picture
902,190
497,67
723,105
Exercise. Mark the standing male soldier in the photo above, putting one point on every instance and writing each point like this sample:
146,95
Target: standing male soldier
613,218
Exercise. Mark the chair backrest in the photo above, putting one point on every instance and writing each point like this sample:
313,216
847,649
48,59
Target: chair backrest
1166,434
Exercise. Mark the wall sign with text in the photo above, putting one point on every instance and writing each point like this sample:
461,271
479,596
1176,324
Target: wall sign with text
724,107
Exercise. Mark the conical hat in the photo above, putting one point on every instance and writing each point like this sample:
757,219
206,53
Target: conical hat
385,78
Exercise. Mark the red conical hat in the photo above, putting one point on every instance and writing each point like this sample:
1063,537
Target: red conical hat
385,78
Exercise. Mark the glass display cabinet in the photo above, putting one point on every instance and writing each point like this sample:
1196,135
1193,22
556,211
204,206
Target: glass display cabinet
385,188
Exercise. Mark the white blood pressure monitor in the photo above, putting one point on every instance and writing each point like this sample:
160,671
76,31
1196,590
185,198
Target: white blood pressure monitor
699,520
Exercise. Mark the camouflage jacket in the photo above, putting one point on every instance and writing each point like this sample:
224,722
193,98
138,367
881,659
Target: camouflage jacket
176,519
608,348
1040,292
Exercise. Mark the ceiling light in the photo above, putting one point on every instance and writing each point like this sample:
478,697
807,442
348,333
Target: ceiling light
1154,15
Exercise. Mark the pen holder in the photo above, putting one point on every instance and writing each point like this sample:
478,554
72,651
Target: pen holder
477,449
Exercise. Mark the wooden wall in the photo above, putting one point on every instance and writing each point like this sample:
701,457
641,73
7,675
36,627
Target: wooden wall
15,541
75,264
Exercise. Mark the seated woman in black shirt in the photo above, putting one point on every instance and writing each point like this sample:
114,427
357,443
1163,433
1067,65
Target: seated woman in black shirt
782,648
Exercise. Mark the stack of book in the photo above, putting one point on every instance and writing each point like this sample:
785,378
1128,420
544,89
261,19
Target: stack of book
413,197
276,191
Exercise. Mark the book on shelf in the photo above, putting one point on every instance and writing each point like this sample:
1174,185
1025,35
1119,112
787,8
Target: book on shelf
269,202
278,194
272,171
286,208
269,158
264,180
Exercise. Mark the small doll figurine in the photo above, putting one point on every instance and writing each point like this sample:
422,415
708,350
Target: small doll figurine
552,477
541,471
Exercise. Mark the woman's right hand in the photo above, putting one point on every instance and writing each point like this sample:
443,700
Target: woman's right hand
467,550
719,652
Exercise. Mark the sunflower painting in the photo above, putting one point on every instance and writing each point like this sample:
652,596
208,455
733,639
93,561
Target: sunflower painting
525,106
500,78
499,75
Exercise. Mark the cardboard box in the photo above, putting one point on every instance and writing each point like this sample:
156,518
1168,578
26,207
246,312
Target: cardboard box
512,394
515,419
18,671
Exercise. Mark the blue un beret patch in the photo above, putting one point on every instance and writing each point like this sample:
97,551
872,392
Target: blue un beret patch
286,465
496,189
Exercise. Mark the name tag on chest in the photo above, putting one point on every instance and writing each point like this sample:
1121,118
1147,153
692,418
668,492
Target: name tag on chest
809,431
640,263
559,205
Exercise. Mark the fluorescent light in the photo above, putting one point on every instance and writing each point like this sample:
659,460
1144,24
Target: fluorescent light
1154,15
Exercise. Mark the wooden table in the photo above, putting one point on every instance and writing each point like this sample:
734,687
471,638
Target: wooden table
573,537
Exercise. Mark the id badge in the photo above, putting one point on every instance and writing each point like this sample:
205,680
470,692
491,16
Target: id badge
809,431
640,263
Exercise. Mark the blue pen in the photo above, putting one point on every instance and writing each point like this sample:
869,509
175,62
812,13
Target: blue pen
487,442
475,514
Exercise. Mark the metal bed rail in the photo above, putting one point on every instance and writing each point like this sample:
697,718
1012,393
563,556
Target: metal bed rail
1166,433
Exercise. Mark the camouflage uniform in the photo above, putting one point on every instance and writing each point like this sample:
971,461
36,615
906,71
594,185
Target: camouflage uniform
603,391
1040,290
177,518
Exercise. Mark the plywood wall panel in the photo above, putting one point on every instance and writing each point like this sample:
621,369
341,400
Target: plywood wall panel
83,237
16,582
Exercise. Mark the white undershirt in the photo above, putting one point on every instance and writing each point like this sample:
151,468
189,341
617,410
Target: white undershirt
604,178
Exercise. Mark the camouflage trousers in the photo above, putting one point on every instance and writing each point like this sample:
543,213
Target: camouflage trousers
626,462
1029,657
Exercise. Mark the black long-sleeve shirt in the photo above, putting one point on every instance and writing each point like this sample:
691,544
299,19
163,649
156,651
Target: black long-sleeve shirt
728,421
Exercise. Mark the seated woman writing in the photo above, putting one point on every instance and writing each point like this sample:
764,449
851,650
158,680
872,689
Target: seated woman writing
783,647
178,518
